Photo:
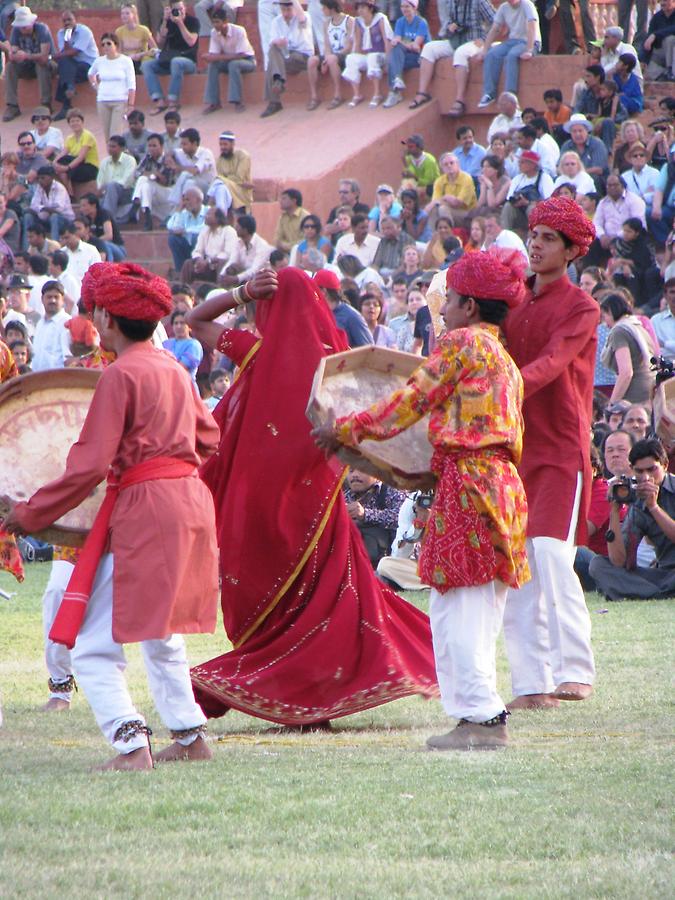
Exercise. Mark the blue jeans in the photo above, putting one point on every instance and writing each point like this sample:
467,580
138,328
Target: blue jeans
660,228
177,68
114,252
582,562
71,73
401,59
234,69
507,53
181,247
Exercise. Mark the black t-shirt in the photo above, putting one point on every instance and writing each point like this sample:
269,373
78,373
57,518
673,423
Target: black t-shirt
96,227
175,44
423,327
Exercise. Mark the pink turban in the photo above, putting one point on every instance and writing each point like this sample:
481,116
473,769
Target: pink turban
496,274
566,216
126,290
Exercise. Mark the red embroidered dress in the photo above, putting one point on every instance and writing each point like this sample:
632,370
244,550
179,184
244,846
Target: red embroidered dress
473,393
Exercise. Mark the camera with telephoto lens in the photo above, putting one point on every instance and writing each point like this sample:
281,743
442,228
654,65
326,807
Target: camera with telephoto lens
424,499
622,490
175,13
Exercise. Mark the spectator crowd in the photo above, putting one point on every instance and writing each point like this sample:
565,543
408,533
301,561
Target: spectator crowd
65,199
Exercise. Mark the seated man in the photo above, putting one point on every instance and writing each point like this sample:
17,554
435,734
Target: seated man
178,39
31,45
373,507
252,253
76,52
346,317
358,242
590,101
467,25
115,180
660,43
508,117
411,32
526,189
419,165
230,52
664,322
291,46
154,180
520,21
233,169
389,254
38,242
50,204
651,514
194,164
136,136
612,211
184,226
289,226
215,248
628,84
590,150
663,206
51,344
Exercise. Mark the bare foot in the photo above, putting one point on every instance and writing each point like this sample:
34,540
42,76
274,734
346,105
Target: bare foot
533,701
573,690
55,704
197,751
136,761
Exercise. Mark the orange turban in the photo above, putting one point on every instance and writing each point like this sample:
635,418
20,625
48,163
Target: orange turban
566,216
495,274
126,290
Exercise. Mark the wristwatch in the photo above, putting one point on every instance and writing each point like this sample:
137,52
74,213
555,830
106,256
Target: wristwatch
610,536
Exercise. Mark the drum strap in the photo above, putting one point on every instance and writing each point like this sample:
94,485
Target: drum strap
70,615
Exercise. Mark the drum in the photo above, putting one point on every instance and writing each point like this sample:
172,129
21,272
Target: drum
352,381
41,416
664,413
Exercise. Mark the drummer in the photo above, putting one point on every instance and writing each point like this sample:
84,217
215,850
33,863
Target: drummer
474,546
147,428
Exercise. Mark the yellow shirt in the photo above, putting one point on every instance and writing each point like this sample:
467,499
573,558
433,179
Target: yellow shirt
135,40
462,188
74,144
288,230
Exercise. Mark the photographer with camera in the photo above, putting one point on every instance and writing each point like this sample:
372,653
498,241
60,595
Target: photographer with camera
178,39
651,514
527,189
400,569
373,507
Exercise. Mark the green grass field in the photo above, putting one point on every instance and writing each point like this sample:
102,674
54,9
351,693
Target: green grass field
580,806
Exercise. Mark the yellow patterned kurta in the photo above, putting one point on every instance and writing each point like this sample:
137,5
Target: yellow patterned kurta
473,393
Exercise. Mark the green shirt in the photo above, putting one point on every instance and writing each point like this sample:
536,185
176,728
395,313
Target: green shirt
122,171
426,172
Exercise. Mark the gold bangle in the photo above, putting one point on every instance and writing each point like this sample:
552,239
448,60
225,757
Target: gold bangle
247,294
236,295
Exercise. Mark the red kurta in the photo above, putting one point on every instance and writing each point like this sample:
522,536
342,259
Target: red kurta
552,338
162,532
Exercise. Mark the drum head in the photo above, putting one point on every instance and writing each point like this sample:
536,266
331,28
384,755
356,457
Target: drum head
351,382
41,416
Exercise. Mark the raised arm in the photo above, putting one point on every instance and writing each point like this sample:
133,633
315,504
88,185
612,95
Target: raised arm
201,319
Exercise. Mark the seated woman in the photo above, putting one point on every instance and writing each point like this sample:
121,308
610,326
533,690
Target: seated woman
572,171
414,221
494,185
386,204
314,251
634,266
434,255
104,227
628,351
412,268
630,132
215,248
477,235
370,307
186,349
80,161
315,634
338,39
136,41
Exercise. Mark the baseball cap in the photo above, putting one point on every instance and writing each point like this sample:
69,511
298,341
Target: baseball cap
384,189
414,139
19,281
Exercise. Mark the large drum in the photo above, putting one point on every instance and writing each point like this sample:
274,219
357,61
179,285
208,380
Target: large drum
352,381
41,416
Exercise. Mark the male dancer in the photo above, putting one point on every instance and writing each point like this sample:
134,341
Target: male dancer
148,432
474,546
552,338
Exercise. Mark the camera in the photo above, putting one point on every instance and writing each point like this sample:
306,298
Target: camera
175,13
622,489
424,499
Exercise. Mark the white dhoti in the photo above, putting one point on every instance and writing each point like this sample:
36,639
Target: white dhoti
100,662
465,624
57,657
547,625
154,197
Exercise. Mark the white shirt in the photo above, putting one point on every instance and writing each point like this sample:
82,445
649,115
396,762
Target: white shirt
582,181
203,160
365,252
502,124
35,299
509,240
51,343
664,326
610,58
216,244
642,184
70,285
250,258
117,78
549,151
14,316
51,138
80,260
522,181
298,36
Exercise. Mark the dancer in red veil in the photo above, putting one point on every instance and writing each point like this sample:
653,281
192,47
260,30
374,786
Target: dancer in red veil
316,636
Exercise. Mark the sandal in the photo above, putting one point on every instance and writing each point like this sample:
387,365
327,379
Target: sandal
313,104
355,102
417,103
457,109
335,102
160,108
377,99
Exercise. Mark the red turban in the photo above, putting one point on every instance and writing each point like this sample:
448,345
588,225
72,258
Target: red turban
496,274
126,290
566,216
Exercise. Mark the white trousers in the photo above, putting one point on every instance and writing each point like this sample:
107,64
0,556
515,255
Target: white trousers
370,63
266,13
153,196
547,625
465,624
57,657
100,663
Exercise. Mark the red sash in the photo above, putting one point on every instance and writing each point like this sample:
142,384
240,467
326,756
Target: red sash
70,615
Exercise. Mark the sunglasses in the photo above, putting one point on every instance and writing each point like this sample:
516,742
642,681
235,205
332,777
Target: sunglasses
40,118
25,143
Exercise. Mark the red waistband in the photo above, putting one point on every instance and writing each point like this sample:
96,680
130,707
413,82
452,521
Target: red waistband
154,469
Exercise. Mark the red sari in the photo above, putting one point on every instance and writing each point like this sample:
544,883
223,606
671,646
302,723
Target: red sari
316,635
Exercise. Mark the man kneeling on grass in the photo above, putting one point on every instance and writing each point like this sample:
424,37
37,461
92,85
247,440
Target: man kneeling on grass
474,546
